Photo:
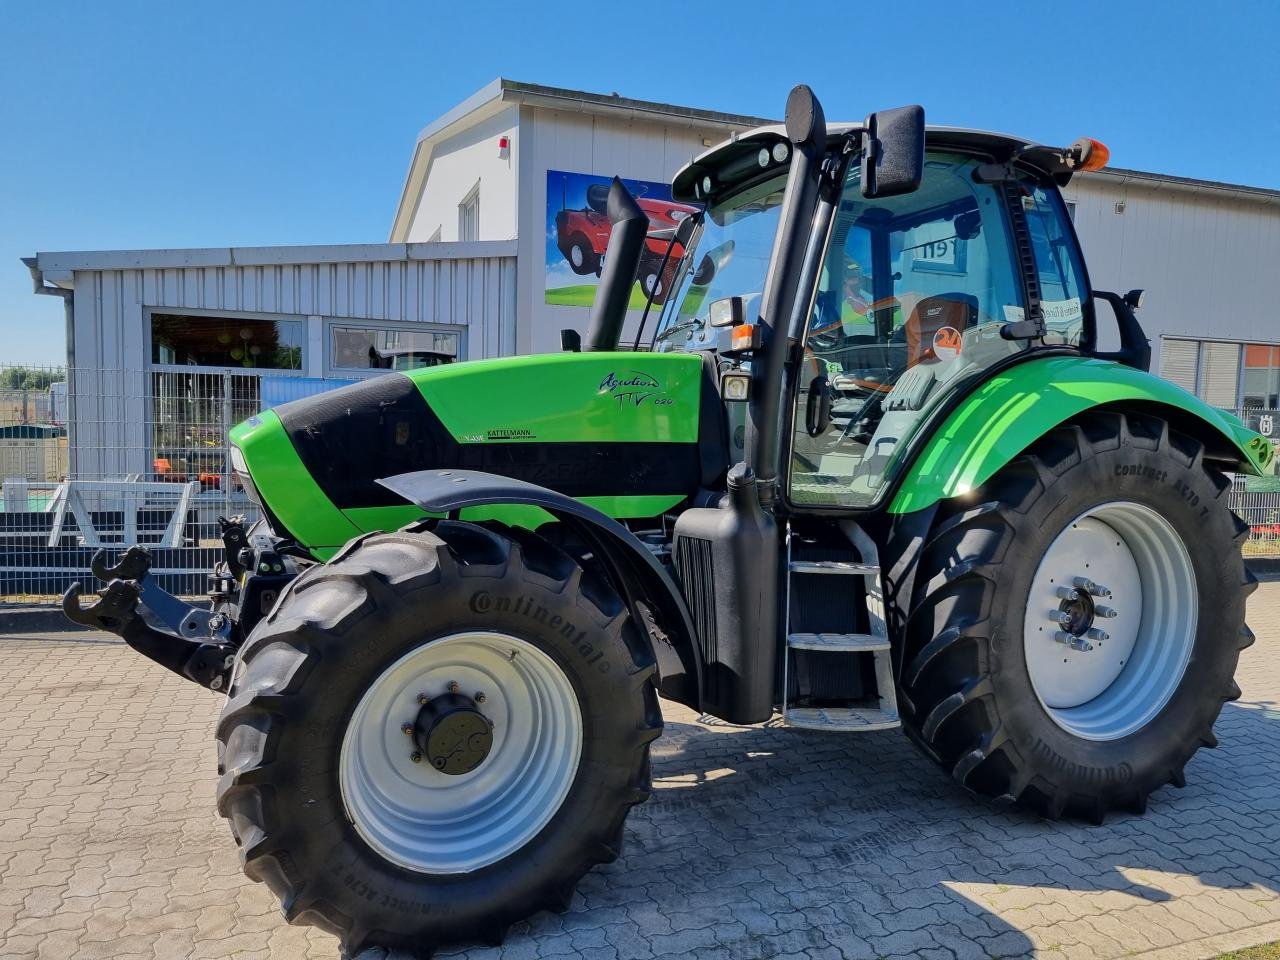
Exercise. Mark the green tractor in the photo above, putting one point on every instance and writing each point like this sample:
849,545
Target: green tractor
871,470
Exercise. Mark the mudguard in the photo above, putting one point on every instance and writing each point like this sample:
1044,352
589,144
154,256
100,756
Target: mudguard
634,570
1014,408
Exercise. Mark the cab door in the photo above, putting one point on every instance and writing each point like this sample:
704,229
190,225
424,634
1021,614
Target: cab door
910,301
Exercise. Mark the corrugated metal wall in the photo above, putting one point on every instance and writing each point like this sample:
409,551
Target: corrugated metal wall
427,283
1206,261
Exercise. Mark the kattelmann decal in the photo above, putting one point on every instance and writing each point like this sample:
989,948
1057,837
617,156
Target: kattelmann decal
508,433
632,388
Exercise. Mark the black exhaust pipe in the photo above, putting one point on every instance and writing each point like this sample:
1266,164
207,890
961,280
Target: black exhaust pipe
628,227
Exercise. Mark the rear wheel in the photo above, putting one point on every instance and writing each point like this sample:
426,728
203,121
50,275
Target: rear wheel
581,256
1077,620
435,735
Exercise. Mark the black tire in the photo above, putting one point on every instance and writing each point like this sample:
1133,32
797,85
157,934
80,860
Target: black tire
590,259
967,697
304,669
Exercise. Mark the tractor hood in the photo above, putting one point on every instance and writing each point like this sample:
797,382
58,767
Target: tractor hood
632,434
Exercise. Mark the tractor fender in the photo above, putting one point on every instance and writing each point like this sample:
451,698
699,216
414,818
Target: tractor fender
1019,404
632,568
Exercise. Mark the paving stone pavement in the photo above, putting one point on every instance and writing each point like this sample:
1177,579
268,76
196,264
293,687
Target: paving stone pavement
757,843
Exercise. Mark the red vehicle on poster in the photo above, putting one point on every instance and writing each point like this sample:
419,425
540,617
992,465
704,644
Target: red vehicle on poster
582,235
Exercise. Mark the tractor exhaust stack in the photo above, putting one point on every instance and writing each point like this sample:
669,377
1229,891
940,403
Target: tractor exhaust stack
629,226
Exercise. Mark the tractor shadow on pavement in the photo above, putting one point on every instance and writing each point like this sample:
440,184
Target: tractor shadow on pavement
764,842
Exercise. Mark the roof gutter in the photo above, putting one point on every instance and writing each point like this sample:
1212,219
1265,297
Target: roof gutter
39,286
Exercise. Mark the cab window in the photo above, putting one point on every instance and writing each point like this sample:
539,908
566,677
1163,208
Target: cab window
1064,299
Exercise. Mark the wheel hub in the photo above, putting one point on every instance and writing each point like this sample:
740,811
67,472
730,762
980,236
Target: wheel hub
452,734
1079,612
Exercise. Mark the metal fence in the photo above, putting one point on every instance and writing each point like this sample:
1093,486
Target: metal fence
106,458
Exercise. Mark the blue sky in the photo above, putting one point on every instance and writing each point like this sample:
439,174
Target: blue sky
128,125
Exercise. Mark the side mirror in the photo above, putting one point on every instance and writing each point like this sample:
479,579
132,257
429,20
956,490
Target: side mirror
570,340
1134,298
893,152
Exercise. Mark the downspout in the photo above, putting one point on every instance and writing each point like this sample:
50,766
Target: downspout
68,304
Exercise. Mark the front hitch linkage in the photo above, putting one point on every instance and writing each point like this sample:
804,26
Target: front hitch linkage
206,660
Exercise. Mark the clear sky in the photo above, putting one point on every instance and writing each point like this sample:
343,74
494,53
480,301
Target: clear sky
139,125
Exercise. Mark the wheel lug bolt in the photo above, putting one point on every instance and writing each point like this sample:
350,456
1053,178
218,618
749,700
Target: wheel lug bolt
1088,586
406,729
1068,593
422,699
1063,637
480,698
453,686
1059,616
1093,633
1105,612
416,757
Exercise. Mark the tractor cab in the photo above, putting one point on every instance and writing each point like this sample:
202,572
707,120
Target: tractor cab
908,300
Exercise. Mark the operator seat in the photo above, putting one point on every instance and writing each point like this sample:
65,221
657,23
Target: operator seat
933,315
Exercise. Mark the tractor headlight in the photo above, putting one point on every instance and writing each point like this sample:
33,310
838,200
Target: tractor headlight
241,470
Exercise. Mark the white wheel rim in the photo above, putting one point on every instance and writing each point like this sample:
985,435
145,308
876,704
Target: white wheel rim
433,822
575,255
1140,653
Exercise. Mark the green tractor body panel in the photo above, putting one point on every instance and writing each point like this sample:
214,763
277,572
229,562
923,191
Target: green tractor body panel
623,432
1013,409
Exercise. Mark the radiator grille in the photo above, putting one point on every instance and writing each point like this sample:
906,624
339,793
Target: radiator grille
697,575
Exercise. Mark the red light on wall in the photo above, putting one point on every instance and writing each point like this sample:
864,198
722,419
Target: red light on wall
504,146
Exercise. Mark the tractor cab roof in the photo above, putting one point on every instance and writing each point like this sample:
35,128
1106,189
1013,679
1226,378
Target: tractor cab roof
735,160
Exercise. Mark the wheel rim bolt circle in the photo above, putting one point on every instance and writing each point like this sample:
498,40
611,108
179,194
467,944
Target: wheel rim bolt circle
452,686
480,697
406,729
423,699
416,757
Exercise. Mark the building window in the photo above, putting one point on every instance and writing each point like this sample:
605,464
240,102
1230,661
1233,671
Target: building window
469,215
203,341
386,348
1260,379
1223,374
1219,378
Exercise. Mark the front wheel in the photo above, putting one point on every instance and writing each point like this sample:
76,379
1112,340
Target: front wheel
435,735
1078,620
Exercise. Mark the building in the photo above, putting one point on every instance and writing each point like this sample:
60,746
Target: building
488,254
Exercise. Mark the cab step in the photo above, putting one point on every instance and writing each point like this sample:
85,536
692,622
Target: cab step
844,719
846,567
855,716
838,642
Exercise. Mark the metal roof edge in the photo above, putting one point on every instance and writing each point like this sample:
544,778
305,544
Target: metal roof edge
203,257
1168,181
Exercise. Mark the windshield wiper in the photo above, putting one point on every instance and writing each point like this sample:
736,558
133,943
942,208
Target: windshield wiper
675,328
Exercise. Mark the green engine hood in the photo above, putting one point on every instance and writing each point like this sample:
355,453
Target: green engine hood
621,431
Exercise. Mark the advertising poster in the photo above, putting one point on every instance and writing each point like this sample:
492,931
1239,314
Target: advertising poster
578,234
